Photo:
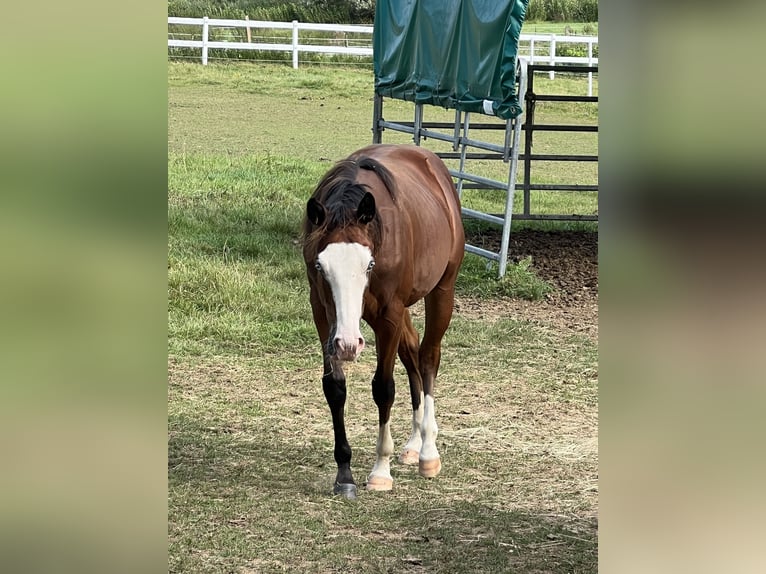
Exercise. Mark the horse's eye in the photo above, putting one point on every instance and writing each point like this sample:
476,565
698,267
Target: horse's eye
371,265
318,266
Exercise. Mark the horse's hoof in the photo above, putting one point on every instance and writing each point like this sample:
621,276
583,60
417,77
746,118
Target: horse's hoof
380,483
409,456
429,468
346,490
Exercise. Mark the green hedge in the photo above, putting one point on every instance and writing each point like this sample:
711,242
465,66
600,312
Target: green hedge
315,11
562,11
355,11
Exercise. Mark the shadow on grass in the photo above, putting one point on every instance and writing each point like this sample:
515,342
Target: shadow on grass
235,232
249,495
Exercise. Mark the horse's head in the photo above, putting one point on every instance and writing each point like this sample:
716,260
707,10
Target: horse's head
341,269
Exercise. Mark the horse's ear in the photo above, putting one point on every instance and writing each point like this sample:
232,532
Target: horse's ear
315,212
366,210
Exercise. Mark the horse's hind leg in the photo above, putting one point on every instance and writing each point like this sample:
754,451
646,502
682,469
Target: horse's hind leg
408,353
439,304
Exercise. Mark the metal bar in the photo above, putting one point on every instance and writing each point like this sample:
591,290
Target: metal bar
561,98
562,187
496,219
397,127
417,124
436,135
490,183
479,186
540,127
483,252
529,125
548,157
509,126
511,187
448,125
560,68
539,187
377,116
459,143
483,145
546,217
456,133
560,128
468,155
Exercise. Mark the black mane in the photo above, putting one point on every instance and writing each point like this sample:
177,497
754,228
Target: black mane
340,194
341,201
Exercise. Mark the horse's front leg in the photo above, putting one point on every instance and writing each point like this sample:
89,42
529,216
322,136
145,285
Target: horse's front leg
387,333
334,387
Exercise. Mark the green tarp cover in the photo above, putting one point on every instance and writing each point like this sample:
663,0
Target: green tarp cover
458,54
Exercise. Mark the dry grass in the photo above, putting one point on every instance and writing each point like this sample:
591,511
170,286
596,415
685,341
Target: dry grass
519,453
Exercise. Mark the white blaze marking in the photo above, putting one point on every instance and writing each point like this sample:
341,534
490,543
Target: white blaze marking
345,266
430,430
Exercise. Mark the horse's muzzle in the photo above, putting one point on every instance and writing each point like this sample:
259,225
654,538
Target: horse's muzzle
346,348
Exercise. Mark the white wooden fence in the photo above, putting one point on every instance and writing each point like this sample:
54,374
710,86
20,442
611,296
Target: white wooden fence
295,46
536,48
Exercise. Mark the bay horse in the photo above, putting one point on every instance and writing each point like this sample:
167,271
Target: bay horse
382,230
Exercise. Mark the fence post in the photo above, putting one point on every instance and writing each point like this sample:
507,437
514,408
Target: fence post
295,44
204,40
532,50
552,55
590,63
248,31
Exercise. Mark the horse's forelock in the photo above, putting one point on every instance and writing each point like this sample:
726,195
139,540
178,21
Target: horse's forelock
340,194
342,202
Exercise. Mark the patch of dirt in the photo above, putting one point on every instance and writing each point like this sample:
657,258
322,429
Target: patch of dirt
567,260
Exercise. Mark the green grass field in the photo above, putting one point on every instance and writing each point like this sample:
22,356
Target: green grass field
250,464
263,102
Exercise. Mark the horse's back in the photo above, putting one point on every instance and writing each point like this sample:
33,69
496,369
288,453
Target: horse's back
422,218
424,187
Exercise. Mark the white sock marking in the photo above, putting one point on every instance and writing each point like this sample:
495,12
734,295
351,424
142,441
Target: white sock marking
384,450
430,430
416,440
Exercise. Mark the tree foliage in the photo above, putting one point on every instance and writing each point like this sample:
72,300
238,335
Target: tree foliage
355,11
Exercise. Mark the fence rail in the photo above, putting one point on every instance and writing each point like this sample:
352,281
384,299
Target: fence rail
536,48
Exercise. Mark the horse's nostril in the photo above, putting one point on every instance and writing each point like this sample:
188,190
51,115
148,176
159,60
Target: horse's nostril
348,348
